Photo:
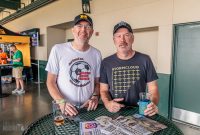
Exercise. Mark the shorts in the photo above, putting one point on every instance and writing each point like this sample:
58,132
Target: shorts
17,72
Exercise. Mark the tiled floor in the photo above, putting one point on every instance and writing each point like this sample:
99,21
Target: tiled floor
18,111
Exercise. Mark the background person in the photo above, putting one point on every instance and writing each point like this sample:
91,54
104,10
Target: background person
3,57
74,69
126,73
17,69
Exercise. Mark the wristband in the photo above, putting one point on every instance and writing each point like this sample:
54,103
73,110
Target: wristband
60,101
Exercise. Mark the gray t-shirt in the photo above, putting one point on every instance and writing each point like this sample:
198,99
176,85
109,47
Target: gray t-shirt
126,78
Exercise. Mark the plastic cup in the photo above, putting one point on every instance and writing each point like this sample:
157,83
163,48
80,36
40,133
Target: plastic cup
145,99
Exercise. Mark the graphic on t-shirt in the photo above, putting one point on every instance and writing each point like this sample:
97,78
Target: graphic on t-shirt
80,73
123,78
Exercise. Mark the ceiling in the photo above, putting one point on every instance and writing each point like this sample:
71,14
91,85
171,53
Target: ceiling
12,9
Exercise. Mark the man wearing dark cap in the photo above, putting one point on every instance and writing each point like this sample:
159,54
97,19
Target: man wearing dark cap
127,73
74,69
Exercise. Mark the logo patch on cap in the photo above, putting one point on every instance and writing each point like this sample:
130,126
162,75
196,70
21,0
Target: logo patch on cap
83,17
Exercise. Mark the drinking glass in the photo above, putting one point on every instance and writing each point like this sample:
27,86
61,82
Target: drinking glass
59,111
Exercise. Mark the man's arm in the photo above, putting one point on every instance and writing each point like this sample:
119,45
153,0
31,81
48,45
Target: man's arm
14,60
111,104
17,60
104,93
155,96
153,89
56,95
96,87
52,86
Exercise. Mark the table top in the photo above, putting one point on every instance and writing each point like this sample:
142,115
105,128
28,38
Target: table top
45,125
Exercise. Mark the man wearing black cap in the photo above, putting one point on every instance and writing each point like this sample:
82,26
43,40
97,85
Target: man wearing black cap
126,73
74,69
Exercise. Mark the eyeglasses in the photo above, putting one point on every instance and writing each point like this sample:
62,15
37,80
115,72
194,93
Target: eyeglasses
127,35
80,26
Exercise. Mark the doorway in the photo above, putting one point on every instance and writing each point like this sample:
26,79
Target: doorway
186,74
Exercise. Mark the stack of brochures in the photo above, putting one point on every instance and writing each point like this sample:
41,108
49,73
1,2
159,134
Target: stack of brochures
129,125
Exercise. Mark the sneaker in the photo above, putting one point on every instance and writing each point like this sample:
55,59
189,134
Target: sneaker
15,91
21,91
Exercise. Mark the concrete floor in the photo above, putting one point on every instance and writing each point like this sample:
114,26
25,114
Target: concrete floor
18,111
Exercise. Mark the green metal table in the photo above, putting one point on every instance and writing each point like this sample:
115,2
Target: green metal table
45,125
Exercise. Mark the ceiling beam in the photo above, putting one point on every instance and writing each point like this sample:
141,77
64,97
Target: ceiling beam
27,9
10,4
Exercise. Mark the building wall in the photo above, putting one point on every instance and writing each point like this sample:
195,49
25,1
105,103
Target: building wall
69,34
54,36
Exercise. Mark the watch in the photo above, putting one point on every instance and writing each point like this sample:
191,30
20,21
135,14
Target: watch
95,95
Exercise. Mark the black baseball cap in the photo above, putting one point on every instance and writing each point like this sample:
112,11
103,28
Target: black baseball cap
83,17
122,24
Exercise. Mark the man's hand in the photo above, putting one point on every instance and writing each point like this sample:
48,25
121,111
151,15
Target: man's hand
151,110
9,59
70,110
91,104
113,105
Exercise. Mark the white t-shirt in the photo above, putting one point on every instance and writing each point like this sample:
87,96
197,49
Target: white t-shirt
75,71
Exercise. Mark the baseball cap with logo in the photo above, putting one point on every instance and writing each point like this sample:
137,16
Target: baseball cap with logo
122,24
83,17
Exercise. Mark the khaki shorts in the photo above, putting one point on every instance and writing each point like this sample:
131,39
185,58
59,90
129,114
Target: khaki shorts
17,72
